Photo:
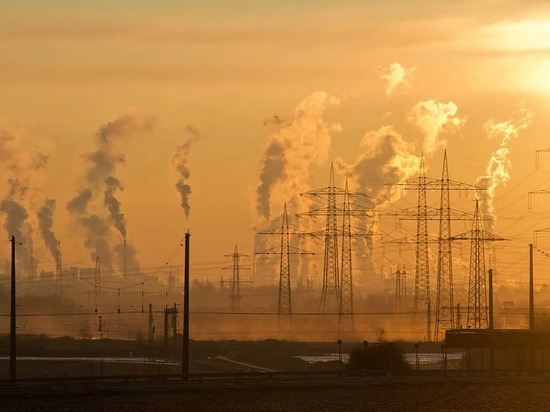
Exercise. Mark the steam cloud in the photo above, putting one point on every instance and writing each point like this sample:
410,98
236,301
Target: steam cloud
386,159
290,154
100,179
499,165
20,164
432,118
397,75
180,166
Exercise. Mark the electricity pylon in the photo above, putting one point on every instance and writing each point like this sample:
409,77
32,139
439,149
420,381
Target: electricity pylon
345,318
444,214
97,280
400,288
331,291
477,283
285,250
235,280
444,306
58,270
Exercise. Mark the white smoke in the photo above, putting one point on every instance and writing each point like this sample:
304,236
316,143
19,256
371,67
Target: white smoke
386,159
397,75
288,160
433,118
499,165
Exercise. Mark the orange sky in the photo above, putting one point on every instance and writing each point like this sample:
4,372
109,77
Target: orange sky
222,68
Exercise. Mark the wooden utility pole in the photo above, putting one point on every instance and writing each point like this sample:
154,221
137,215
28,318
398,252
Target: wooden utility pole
531,290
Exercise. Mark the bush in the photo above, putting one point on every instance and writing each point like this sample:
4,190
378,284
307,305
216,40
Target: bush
377,356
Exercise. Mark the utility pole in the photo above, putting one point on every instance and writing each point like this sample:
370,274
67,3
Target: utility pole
531,290
13,326
185,346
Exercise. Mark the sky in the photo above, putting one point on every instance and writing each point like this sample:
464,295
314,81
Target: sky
242,105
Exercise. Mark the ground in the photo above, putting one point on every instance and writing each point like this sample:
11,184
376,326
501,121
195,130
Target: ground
345,394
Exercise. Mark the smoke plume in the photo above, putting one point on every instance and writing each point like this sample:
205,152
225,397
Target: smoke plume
20,165
180,166
499,165
45,223
113,205
433,118
290,154
100,182
386,160
396,75
16,215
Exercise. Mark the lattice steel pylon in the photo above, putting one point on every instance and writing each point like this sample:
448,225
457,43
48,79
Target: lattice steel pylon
331,293
444,214
58,270
444,306
400,288
235,295
97,280
422,270
477,282
284,307
285,302
345,319
331,280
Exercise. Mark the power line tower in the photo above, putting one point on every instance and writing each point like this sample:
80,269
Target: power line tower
477,283
97,280
331,281
444,306
284,251
537,155
331,293
151,325
236,280
422,268
400,288
58,270
345,319
444,214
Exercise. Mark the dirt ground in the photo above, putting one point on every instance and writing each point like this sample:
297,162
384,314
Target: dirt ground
351,395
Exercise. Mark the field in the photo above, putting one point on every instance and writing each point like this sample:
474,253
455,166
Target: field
374,394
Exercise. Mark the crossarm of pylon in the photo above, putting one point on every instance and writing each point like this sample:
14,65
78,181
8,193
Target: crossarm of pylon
355,211
233,267
438,184
412,239
536,234
537,153
326,191
432,213
277,250
485,235
279,231
538,192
